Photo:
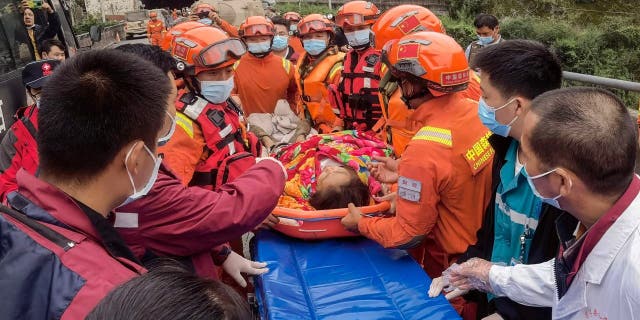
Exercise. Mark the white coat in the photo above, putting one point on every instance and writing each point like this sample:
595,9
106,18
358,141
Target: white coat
607,286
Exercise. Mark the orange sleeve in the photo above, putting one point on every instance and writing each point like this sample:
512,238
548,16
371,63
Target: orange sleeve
148,29
424,171
228,28
183,152
293,95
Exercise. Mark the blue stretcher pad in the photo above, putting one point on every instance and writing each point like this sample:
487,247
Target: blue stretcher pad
352,278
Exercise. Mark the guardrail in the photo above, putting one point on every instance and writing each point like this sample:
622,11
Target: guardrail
602,81
110,35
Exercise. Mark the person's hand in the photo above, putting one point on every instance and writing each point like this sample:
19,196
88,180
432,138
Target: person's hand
46,7
236,265
23,5
350,221
473,274
440,283
384,170
391,197
214,17
269,222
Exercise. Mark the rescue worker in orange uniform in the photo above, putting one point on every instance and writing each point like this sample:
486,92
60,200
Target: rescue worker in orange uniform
317,68
292,19
155,29
207,14
210,145
358,89
398,124
444,175
261,77
177,30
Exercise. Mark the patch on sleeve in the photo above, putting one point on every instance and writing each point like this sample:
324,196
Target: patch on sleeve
479,154
409,189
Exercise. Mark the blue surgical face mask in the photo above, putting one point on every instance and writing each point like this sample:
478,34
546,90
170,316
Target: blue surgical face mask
259,47
137,194
358,38
206,21
551,201
280,43
314,46
487,115
485,40
217,91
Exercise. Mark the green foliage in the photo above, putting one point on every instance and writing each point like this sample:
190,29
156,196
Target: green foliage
460,9
305,8
91,20
460,29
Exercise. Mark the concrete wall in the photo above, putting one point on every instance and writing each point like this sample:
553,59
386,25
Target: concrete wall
110,7
110,36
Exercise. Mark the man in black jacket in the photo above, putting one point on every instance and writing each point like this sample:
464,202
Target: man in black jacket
517,227
33,34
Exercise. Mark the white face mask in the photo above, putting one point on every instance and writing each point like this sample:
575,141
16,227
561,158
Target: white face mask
162,141
259,47
217,91
137,194
551,201
358,38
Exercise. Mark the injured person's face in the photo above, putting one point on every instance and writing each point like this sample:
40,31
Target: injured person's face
334,177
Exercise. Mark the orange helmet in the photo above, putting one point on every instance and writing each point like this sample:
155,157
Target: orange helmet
357,13
314,23
177,30
402,20
153,14
202,7
206,48
292,16
256,26
432,56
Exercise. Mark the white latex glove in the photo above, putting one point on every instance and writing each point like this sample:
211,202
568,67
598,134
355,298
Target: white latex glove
284,170
236,265
473,274
440,283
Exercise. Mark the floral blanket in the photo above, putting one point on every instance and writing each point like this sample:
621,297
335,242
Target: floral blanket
302,161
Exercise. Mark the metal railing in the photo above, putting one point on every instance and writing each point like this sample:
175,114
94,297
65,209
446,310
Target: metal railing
602,81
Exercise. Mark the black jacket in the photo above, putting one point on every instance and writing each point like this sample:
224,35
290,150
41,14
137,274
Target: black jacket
41,33
544,245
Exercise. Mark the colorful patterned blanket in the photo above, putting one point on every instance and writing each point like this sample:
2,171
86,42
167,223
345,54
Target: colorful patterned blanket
302,161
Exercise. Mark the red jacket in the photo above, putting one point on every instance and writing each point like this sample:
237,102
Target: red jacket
42,279
18,149
174,220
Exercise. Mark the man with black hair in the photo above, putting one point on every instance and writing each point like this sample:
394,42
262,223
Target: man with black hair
99,122
280,44
488,31
52,49
580,147
517,225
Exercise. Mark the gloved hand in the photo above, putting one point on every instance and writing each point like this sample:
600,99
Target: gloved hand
236,264
440,283
473,274
284,170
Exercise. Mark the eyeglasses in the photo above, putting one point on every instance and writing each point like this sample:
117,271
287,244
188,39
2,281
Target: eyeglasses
218,53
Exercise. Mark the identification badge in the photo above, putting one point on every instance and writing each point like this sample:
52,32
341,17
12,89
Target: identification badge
409,189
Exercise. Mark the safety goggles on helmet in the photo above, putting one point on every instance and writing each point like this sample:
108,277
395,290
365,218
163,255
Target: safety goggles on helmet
313,26
354,19
258,30
217,53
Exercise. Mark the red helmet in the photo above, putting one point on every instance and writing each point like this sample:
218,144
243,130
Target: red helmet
256,26
402,20
431,56
206,48
177,30
314,23
357,13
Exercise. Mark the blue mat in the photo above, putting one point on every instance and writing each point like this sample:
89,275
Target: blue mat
342,279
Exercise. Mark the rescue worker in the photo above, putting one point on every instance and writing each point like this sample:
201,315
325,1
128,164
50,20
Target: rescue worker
292,19
162,223
178,29
213,145
444,175
100,120
207,14
317,68
581,145
273,76
155,29
488,31
358,89
18,148
281,40
398,123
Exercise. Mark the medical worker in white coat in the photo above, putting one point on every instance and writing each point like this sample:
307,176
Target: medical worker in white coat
579,149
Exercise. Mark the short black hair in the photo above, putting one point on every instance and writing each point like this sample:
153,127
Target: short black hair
169,293
92,106
486,20
154,54
46,45
588,131
279,20
520,67
355,191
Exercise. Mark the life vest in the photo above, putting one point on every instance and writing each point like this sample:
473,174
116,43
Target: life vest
312,79
230,149
359,104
